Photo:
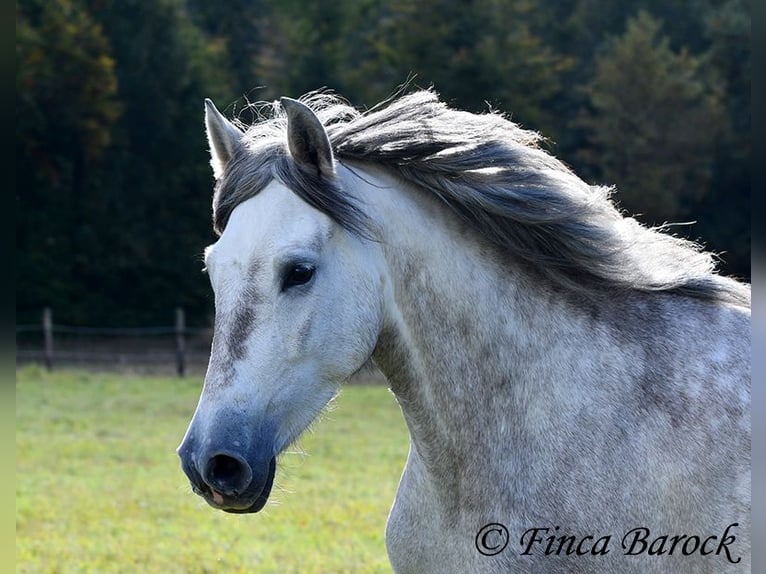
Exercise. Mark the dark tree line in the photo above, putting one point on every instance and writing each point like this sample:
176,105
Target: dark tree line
113,212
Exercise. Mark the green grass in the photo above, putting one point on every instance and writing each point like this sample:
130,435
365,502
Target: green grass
99,487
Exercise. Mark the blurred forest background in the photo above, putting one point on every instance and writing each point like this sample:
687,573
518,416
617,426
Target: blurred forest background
113,204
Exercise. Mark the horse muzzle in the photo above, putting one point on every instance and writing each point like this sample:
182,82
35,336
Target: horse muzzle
228,480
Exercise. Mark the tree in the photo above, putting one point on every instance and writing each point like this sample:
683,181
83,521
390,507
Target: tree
66,98
114,203
523,73
727,227
473,53
110,135
157,184
653,120
237,28
303,51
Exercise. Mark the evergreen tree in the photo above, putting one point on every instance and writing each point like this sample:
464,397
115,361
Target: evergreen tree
158,184
304,51
66,106
475,54
239,28
654,119
727,225
114,206
110,133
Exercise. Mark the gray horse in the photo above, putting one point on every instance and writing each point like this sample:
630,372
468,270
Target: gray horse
576,386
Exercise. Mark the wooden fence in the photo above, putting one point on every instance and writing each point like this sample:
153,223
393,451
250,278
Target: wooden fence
52,345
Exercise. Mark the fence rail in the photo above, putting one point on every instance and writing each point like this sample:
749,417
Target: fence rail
53,345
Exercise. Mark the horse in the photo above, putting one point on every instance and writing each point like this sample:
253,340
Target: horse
575,384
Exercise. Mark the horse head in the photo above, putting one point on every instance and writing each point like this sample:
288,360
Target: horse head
285,337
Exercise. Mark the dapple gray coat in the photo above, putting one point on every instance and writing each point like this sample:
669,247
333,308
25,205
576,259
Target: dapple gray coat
576,386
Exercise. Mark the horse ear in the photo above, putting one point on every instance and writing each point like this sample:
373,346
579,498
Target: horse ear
307,139
223,137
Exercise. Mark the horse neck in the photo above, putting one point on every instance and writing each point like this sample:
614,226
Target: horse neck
466,342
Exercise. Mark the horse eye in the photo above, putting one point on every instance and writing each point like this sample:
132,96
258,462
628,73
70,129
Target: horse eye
297,275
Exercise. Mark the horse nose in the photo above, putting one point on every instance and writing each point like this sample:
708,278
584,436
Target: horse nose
227,473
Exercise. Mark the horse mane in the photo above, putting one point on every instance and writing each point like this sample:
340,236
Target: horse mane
493,174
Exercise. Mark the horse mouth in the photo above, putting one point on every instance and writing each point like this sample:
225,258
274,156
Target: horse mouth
249,502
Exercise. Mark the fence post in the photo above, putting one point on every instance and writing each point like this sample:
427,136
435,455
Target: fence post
48,337
180,342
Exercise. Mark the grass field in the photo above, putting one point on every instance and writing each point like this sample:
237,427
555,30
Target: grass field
99,487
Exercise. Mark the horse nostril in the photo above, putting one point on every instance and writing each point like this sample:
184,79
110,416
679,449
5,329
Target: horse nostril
227,474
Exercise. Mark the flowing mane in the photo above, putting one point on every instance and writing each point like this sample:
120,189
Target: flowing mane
492,173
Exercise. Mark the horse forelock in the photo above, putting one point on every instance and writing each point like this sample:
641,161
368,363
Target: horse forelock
493,174
252,168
